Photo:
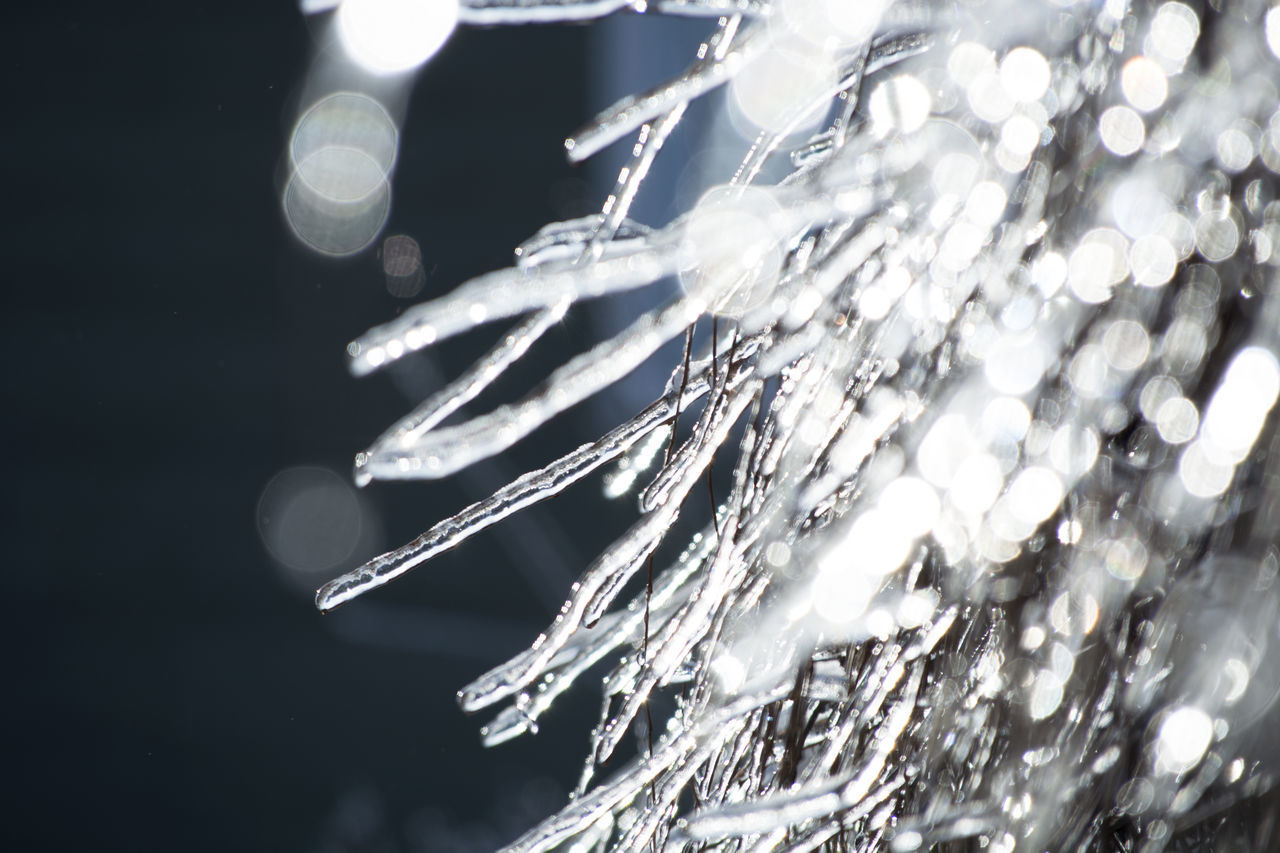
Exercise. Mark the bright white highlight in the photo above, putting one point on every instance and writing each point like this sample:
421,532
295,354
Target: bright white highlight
1098,264
989,99
1184,736
1122,130
1235,148
912,503
1272,25
766,92
1236,674
1177,419
1240,405
1174,32
1016,363
730,252
1153,260
731,672
1006,418
878,542
1144,84
1025,74
1035,495
969,61
986,203
944,449
1126,345
901,103
829,22
394,36
977,484
1020,136
1203,476
1045,695
1073,449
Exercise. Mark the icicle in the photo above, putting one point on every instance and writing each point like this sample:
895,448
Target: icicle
383,459
596,588
618,481
502,294
660,491
451,449
569,240
521,492
856,67
488,13
651,139
498,12
726,59
585,651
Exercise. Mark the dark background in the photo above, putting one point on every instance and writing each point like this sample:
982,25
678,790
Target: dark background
170,349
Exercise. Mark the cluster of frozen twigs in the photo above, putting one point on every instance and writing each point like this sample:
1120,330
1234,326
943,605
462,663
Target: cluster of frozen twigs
997,365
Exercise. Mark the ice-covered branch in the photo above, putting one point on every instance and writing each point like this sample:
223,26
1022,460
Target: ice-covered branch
995,355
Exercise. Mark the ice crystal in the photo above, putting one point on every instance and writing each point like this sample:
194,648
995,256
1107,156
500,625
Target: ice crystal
996,353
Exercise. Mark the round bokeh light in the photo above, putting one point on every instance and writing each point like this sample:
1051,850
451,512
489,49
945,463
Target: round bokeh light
394,36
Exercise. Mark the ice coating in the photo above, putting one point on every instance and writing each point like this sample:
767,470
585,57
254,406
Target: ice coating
996,358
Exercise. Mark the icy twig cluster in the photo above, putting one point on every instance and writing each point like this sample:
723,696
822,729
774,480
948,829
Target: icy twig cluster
996,362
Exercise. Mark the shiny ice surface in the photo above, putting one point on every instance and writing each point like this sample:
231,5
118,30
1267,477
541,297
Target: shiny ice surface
986,320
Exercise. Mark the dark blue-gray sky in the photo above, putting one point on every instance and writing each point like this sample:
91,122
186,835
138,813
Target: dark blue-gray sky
170,348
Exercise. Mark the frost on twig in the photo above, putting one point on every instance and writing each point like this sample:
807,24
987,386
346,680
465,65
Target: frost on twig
996,359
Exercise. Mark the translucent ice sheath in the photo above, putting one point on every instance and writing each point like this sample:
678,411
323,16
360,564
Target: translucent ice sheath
995,358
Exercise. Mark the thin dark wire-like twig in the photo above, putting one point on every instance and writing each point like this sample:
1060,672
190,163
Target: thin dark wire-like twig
648,589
